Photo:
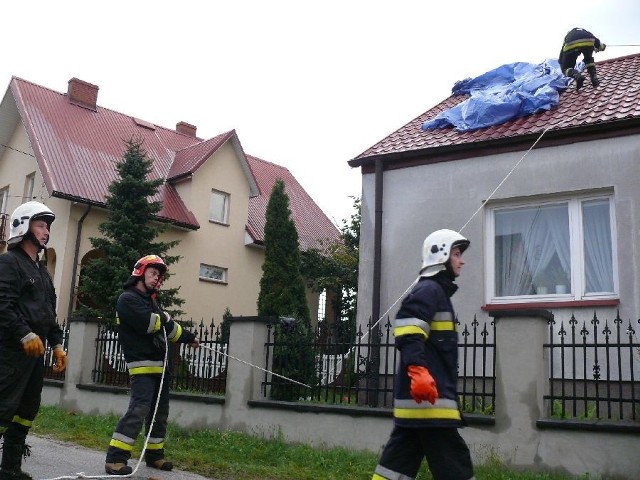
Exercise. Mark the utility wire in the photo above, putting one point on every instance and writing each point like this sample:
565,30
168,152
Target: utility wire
16,150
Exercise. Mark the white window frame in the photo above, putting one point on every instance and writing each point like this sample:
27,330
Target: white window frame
29,186
226,200
576,245
4,198
221,270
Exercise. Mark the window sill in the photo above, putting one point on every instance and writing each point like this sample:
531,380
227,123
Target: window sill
222,224
493,307
212,280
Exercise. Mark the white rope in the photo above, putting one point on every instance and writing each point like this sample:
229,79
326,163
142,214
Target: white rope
255,366
505,178
466,223
146,440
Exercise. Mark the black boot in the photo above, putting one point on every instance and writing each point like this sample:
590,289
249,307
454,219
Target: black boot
10,468
573,73
594,78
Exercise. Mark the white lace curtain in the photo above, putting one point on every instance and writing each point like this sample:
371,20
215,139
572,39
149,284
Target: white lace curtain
533,252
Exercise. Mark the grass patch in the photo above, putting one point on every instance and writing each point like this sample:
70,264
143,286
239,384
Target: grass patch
224,455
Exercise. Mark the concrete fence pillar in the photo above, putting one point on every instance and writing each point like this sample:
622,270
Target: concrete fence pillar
522,378
83,332
247,337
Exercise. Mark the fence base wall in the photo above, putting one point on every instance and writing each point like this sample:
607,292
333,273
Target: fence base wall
514,439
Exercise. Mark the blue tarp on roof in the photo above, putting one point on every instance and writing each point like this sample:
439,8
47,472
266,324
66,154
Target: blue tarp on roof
510,91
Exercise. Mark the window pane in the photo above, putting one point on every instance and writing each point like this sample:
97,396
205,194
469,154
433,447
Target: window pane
532,254
218,207
598,258
212,273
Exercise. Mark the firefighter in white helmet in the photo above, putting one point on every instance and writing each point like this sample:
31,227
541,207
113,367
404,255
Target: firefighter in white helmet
426,411
27,321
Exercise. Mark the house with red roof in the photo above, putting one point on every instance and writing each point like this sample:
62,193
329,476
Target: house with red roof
61,148
549,201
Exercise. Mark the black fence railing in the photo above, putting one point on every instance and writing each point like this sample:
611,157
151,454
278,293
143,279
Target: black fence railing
202,370
360,371
593,370
49,374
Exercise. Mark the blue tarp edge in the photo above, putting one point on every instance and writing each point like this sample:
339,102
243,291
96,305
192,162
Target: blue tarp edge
510,91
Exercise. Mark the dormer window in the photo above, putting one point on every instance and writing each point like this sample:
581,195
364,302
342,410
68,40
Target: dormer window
219,207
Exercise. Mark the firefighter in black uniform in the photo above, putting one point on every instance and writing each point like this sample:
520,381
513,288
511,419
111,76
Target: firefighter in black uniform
27,321
425,407
141,333
580,41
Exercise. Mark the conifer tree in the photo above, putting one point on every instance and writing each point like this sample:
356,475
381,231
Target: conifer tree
282,294
128,235
335,268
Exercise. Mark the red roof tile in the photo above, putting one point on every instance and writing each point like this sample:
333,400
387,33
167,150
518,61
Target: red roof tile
312,224
77,149
617,98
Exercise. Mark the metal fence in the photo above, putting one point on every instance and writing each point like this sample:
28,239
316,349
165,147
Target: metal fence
593,369
49,374
361,372
201,370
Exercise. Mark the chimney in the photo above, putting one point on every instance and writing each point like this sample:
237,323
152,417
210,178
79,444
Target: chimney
83,94
186,129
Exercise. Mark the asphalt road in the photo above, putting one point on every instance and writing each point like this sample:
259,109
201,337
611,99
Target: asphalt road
61,460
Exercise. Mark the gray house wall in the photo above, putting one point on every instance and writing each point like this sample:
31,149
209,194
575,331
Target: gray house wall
420,199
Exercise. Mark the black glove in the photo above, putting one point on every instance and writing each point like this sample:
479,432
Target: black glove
159,342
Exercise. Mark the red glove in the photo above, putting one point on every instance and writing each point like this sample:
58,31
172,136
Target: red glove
423,386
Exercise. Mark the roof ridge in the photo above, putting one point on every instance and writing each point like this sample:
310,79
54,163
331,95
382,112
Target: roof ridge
617,59
267,161
64,94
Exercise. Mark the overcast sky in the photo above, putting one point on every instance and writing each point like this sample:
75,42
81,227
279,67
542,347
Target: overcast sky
306,85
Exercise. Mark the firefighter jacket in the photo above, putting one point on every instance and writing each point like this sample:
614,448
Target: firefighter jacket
580,39
27,301
426,335
140,322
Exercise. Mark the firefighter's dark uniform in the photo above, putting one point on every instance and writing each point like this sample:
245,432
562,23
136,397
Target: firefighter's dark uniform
579,41
426,335
27,304
140,334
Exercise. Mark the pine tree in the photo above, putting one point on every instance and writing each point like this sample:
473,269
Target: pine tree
128,235
282,294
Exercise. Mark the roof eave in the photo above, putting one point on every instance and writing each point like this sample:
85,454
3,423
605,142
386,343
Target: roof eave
562,136
103,206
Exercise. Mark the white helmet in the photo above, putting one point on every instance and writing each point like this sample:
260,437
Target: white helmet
436,250
22,217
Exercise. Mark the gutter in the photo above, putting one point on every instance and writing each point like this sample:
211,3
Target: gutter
372,397
76,253
471,149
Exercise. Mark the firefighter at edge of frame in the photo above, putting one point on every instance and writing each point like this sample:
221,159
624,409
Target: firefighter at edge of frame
27,321
143,331
580,41
426,413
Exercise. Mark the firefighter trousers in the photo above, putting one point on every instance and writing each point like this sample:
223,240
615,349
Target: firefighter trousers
21,380
144,392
